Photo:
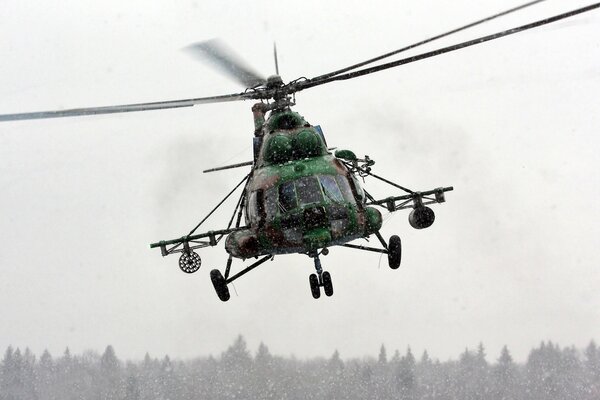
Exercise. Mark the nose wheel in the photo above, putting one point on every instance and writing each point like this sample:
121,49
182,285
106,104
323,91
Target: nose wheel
322,279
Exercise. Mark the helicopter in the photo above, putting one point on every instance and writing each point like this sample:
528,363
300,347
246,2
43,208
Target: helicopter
300,196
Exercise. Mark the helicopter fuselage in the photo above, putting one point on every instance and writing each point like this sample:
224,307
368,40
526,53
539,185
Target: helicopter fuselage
299,197
302,206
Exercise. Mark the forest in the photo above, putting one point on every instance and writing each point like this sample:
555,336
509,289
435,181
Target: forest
550,372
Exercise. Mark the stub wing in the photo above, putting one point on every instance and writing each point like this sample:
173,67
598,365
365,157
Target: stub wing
186,244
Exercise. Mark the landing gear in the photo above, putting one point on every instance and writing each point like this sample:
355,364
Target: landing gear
220,284
313,280
320,279
327,285
394,252
393,249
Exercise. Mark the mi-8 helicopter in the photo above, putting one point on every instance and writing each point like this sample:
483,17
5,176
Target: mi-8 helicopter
299,197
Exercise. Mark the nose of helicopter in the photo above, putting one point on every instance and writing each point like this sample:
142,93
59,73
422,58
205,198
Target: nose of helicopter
317,238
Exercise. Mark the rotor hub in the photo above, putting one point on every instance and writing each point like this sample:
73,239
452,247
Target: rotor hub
274,81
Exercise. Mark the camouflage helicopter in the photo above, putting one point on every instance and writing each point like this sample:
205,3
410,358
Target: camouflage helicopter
299,196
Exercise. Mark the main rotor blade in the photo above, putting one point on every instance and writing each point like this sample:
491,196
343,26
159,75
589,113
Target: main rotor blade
243,164
431,39
159,105
225,60
316,82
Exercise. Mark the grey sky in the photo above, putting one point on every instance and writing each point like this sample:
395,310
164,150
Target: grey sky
512,124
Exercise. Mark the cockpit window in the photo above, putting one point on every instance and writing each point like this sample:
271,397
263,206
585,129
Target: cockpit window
345,187
309,190
271,202
330,188
287,197
360,195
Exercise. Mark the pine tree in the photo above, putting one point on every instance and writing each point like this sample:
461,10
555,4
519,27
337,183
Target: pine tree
15,377
264,371
405,375
504,376
396,357
426,378
109,363
110,385
30,391
466,376
425,360
335,372
235,367
382,359
237,355
65,384
149,377
542,372
263,357
481,355
481,379
335,362
45,375
7,374
383,376
592,371
167,379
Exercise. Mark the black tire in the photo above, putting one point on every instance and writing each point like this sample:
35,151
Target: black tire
327,285
314,286
220,284
394,252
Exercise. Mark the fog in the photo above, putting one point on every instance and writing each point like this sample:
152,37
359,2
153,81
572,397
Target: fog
511,124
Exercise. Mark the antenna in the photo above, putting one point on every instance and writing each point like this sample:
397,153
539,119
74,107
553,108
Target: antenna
275,55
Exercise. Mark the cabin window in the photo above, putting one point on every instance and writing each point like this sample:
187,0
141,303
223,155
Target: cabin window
252,209
330,188
309,190
260,206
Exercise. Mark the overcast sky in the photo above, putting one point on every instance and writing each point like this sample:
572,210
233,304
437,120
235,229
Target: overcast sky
512,124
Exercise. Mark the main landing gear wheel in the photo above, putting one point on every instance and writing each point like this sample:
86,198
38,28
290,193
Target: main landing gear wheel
327,285
394,252
220,284
314,286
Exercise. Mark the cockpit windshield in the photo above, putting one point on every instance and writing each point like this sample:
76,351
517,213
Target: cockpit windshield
287,197
330,188
309,190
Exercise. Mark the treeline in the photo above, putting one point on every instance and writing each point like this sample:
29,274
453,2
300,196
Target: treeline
550,372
